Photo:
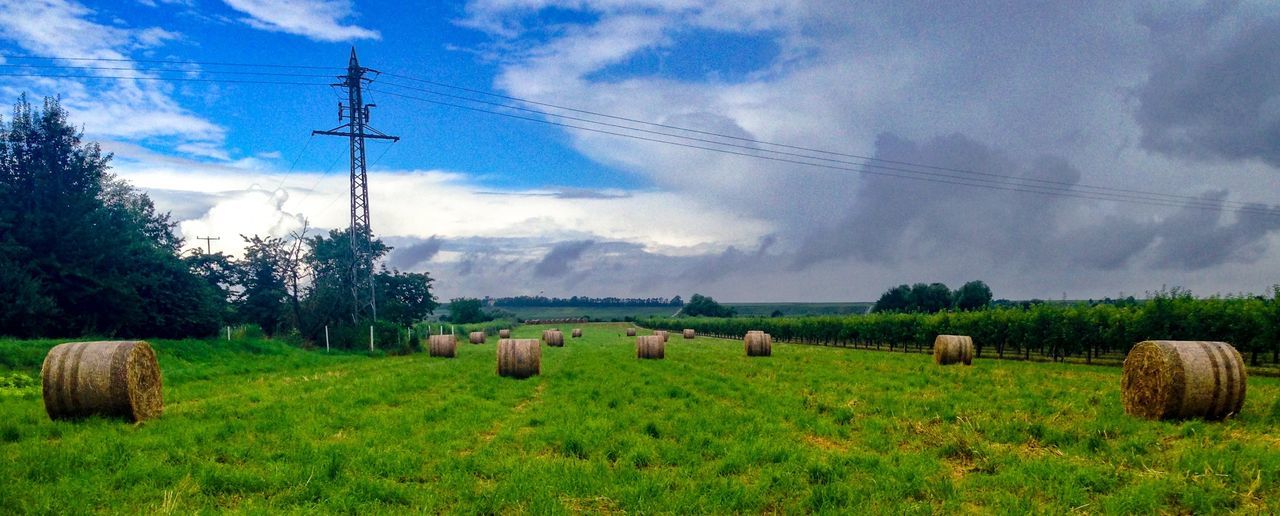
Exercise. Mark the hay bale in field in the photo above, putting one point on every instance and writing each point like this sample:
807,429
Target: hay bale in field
113,379
689,333
1170,379
631,332
443,346
519,358
476,337
661,333
650,346
553,338
953,349
577,333
758,344
504,333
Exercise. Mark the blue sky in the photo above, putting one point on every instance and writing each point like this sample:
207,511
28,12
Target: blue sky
1175,101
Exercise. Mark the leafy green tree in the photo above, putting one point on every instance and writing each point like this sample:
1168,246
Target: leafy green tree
404,298
896,299
974,295
83,252
930,298
262,275
464,310
705,306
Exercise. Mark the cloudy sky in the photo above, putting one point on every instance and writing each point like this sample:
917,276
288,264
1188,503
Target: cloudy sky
814,151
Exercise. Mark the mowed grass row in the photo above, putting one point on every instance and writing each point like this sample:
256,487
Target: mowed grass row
705,430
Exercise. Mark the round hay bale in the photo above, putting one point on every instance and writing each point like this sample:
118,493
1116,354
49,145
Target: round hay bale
661,333
953,349
553,338
113,379
650,346
631,332
758,344
519,358
689,333
504,333
1170,379
443,346
476,337
577,333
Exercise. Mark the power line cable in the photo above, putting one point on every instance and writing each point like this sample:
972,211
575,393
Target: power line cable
1100,189
1003,179
170,61
863,169
161,70
179,79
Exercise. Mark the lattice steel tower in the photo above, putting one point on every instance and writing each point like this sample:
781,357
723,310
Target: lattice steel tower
356,114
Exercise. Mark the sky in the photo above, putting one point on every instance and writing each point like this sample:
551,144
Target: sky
1051,149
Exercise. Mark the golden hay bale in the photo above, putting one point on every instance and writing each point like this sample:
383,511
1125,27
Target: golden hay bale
553,338
519,358
953,349
1170,379
689,333
504,333
476,337
631,332
443,346
577,333
650,346
662,334
758,344
114,379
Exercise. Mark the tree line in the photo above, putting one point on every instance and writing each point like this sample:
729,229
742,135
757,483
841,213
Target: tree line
82,252
934,297
1046,331
543,301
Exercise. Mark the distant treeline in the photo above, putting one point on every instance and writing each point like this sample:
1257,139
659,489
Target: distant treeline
541,301
1046,331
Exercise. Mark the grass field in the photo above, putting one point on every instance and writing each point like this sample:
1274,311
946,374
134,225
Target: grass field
265,427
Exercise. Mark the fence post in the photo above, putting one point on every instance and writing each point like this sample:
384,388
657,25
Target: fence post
370,337
326,338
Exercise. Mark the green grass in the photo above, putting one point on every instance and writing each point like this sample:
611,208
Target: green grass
606,313
810,429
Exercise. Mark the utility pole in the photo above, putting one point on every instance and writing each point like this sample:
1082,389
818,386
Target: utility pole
356,114
208,243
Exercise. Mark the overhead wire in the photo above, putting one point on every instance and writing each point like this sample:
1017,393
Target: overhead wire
941,174
1121,193
864,169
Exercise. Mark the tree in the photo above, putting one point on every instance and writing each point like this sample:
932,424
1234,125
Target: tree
262,274
700,305
466,311
83,252
930,298
896,299
974,295
404,298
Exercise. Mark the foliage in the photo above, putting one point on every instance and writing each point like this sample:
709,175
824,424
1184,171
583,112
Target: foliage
259,427
934,297
705,306
575,301
82,252
464,310
974,295
1250,323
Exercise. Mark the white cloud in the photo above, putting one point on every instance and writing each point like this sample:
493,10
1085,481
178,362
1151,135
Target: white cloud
107,108
1050,80
320,20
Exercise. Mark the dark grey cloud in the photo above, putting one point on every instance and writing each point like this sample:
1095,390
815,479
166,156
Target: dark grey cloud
410,255
560,259
892,219
1211,97
1194,239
